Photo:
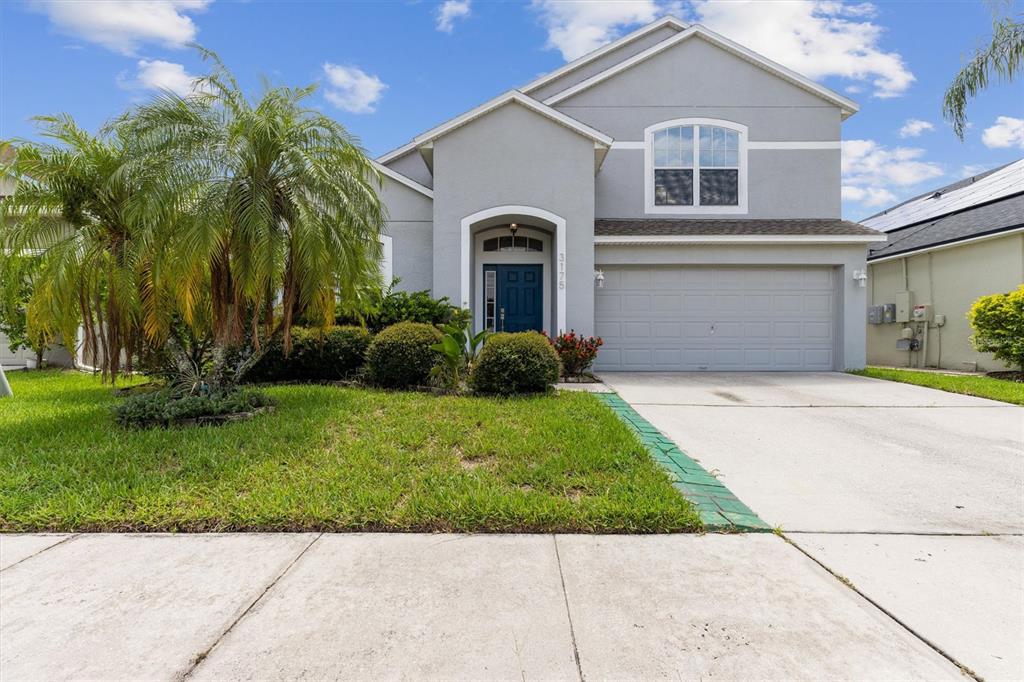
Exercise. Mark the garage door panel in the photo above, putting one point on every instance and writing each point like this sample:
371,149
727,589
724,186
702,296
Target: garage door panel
788,303
708,318
698,302
668,303
667,330
637,330
818,303
608,331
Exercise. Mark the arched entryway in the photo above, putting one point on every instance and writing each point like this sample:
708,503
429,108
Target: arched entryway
513,273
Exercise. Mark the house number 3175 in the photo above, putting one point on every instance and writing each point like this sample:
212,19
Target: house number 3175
561,271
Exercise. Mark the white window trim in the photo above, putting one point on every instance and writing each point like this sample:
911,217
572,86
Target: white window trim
696,209
387,261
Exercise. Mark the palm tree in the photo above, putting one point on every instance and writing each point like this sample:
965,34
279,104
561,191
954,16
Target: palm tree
1001,58
267,205
69,208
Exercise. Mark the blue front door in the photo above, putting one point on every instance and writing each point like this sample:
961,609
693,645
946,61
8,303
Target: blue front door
518,297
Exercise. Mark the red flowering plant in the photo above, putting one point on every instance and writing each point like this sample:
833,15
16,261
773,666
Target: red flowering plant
576,351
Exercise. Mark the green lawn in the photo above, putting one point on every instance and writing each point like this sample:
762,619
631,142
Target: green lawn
981,386
329,459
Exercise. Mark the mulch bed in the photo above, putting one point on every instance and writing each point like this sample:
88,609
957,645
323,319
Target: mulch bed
1014,376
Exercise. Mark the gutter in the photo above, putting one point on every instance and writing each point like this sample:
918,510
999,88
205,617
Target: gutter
741,239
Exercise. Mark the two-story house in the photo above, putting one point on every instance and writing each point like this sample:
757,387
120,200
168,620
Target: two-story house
673,192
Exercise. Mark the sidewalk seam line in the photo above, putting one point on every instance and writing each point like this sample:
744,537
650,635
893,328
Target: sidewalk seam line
199,659
568,613
849,584
70,537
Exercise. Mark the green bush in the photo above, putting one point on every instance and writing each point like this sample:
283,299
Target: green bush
164,408
417,306
402,355
515,363
998,322
317,355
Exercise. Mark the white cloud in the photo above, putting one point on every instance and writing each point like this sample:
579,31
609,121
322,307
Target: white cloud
123,25
449,11
157,74
576,28
871,172
816,38
972,169
1006,132
913,127
868,196
352,89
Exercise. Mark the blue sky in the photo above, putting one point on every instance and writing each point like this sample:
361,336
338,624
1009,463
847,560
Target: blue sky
390,70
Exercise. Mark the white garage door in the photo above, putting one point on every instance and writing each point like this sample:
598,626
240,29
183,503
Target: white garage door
685,318
10,358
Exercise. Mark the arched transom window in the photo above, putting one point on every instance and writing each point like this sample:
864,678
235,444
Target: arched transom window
696,166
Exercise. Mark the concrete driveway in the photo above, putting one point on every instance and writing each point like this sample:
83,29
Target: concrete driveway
914,495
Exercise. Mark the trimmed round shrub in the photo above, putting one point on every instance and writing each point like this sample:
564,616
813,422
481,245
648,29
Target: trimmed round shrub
402,355
998,322
515,363
317,355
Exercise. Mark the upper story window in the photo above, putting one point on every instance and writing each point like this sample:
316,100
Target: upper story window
696,166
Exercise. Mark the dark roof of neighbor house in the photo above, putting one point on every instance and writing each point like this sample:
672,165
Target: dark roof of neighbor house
977,221
649,227
959,184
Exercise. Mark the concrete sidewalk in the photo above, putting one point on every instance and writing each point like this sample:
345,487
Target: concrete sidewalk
377,606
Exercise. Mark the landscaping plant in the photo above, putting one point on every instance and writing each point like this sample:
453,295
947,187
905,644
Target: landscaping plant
458,349
327,354
577,352
998,322
15,295
167,408
71,209
403,306
403,355
508,364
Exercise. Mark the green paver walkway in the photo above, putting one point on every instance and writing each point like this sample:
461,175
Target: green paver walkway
720,510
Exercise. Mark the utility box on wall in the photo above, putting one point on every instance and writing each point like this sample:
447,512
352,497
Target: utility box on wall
922,312
876,314
889,313
904,303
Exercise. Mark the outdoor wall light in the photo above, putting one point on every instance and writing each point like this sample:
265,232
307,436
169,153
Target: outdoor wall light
512,227
861,278
599,278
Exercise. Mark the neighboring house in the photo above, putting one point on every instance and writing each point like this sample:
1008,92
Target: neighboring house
946,248
672,192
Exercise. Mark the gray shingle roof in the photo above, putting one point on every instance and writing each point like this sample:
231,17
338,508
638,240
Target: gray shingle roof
716,227
998,216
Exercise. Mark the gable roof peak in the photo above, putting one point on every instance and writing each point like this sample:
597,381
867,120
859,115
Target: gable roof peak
847,106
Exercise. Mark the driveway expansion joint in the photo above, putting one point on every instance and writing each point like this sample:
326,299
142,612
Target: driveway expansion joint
203,655
848,583
44,549
568,611
719,509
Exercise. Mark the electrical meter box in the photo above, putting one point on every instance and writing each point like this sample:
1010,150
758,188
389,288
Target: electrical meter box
903,305
876,314
889,313
922,312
